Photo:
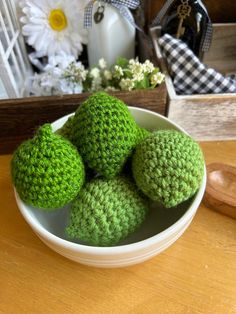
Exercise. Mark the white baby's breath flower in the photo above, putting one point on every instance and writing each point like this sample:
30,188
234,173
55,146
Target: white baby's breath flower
36,88
57,81
102,63
126,84
107,74
46,83
138,76
157,78
96,84
61,60
133,61
75,73
84,74
95,73
111,89
68,87
118,72
148,66
137,70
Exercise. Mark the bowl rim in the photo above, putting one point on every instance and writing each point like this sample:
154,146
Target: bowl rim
119,249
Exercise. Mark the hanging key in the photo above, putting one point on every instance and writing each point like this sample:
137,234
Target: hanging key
183,10
99,15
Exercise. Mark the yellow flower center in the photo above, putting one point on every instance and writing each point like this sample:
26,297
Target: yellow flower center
57,20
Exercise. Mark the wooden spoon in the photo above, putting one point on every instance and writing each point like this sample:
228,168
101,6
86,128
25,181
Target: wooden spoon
220,193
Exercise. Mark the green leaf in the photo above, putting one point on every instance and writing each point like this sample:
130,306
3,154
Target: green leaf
122,62
155,71
128,74
142,84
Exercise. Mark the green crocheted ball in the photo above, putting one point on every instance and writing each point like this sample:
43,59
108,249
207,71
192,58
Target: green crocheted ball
105,133
106,212
47,171
168,166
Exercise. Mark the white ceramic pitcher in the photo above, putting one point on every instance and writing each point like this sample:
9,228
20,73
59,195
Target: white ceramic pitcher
112,37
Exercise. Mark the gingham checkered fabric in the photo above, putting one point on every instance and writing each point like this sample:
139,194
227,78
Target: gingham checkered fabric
189,74
122,5
161,13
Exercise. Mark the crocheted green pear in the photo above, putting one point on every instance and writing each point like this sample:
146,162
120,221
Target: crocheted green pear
105,133
106,212
47,171
168,167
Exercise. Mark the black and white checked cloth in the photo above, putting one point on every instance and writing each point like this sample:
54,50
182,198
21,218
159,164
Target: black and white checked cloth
189,74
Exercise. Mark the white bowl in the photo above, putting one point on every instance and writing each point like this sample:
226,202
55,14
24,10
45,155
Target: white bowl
161,228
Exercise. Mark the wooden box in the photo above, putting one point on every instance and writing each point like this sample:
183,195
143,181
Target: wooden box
209,116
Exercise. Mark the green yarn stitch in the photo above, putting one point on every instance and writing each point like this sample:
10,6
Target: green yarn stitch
47,170
105,133
142,134
168,166
106,212
67,131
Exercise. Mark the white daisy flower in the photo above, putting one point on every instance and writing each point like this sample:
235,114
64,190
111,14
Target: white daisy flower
54,26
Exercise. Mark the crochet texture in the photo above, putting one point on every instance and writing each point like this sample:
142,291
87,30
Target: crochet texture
66,129
105,133
106,211
142,134
168,167
47,170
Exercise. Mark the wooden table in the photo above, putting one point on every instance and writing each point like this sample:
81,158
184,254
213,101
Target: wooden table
195,275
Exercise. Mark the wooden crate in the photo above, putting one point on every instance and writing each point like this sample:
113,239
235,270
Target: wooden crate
19,118
209,116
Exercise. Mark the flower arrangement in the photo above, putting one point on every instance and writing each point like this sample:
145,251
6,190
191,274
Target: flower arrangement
69,77
124,75
55,30
62,75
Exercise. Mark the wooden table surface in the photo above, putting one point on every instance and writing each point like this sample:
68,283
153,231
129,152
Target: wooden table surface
195,275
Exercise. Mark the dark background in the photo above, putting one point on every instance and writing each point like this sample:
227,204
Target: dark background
220,11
